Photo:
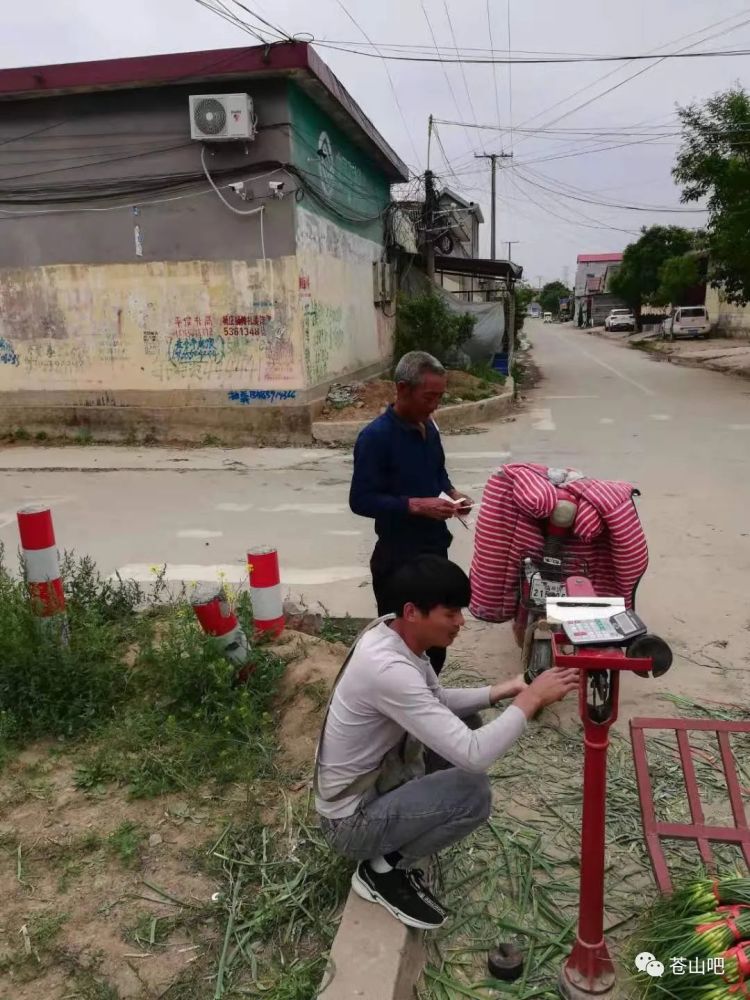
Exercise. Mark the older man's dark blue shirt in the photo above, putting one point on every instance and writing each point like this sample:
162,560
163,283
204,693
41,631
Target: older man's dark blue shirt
393,461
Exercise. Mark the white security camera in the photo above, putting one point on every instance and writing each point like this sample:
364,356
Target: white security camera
277,187
238,187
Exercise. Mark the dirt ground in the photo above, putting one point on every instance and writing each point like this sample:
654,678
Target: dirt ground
101,889
373,397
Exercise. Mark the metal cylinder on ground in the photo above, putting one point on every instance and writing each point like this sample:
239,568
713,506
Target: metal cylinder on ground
265,590
42,565
217,619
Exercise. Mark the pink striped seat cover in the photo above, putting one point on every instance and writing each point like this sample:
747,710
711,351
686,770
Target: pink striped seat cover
607,535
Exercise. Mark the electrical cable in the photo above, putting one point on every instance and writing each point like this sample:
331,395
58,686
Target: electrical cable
494,67
463,71
445,71
283,34
229,205
653,54
604,204
231,18
359,27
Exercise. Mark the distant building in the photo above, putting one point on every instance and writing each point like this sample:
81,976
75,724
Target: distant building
594,273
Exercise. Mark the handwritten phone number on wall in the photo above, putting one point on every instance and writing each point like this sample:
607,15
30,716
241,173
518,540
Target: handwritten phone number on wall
266,395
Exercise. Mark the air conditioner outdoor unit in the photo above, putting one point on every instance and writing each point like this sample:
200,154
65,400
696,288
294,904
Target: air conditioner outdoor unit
222,117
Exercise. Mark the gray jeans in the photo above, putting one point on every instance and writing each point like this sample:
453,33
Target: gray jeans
417,819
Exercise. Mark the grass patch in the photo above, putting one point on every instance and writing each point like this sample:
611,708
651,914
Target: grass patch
487,374
125,843
344,629
284,889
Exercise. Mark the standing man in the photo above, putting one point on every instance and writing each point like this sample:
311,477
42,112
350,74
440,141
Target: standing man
399,472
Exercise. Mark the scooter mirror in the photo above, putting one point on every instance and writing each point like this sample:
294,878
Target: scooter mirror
654,648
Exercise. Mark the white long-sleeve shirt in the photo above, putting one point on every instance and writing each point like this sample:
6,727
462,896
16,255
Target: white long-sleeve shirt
386,691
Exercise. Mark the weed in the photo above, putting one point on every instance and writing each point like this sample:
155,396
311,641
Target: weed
41,436
88,987
21,434
125,842
487,374
44,927
318,693
210,441
343,630
83,436
150,930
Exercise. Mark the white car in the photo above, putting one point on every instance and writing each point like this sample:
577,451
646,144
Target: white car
547,318
620,319
687,321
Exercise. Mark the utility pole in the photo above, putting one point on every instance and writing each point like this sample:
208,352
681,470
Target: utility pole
429,223
493,158
429,140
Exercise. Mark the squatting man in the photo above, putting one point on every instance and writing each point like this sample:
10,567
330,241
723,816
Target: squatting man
373,808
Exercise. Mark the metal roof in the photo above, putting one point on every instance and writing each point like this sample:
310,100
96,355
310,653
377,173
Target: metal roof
593,258
297,60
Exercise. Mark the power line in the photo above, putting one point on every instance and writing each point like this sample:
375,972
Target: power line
445,71
226,15
283,34
606,204
654,55
540,61
463,71
494,67
359,27
510,81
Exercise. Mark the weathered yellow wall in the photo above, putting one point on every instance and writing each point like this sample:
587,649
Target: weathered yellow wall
181,325
269,329
730,320
342,328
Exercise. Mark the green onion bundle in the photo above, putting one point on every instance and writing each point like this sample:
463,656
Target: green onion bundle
700,940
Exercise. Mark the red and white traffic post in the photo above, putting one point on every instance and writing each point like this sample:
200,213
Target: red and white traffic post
265,590
217,619
42,565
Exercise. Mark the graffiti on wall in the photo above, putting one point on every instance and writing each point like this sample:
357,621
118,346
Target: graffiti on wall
7,355
323,334
266,395
322,237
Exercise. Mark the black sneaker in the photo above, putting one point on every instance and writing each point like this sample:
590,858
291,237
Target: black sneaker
402,893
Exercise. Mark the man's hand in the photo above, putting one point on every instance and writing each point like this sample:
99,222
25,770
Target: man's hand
551,686
507,689
465,506
434,507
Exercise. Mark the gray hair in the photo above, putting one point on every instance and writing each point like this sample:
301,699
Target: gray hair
414,365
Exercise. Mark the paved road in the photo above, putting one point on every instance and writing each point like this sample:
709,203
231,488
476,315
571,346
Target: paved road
681,435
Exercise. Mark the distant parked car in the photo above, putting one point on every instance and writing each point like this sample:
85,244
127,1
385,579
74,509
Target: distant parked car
620,319
687,321
547,318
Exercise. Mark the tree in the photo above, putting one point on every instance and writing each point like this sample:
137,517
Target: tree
637,279
714,163
550,295
425,323
676,276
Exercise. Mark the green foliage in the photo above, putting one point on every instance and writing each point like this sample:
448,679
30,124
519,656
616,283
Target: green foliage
125,842
425,323
676,276
713,164
637,279
161,704
524,296
550,295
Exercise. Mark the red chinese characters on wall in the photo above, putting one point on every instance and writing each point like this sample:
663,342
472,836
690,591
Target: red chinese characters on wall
241,325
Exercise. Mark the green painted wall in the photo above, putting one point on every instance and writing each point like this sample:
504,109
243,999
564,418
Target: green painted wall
345,176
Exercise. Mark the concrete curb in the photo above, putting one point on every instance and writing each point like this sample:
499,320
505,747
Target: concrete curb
712,366
344,432
374,956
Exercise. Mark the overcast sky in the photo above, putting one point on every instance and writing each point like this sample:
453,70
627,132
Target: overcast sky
46,31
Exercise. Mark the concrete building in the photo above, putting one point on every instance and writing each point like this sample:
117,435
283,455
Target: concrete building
592,295
152,282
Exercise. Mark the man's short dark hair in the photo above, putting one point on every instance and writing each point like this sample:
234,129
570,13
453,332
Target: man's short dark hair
428,582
